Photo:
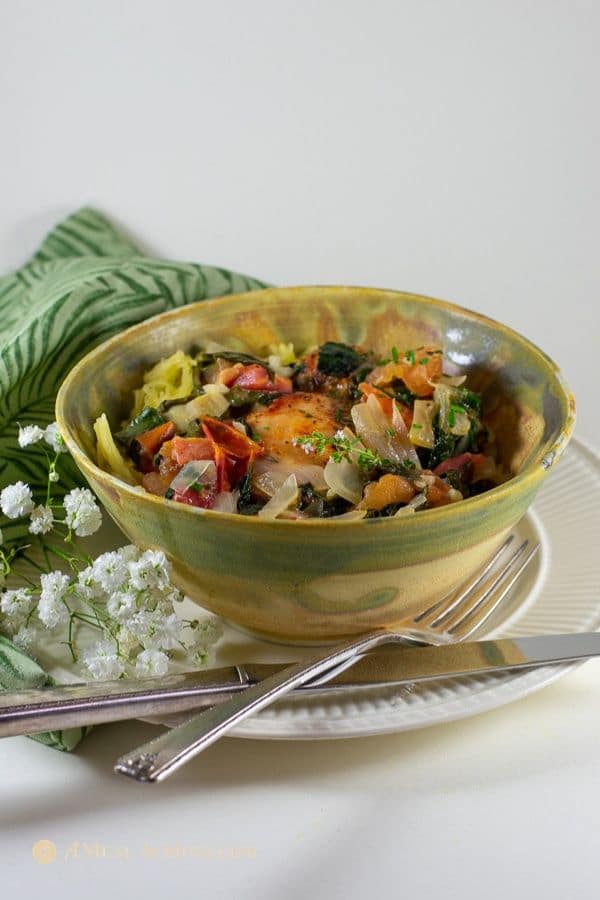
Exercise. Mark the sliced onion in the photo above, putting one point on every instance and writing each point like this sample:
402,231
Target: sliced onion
281,499
373,428
449,367
210,403
269,474
421,430
226,501
412,506
444,397
452,380
403,438
351,515
198,471
344,480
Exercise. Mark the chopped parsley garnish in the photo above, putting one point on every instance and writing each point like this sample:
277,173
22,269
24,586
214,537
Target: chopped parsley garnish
455,410
350,448
410,357
424,360
395,354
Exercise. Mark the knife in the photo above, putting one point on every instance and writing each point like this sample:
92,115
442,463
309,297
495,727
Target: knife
67,706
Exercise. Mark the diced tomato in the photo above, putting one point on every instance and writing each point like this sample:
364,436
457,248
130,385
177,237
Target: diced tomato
147,444
184,450
456,462
233,442
232,451
254,378
203,499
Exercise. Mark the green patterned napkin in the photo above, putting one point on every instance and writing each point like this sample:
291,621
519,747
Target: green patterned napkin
85,283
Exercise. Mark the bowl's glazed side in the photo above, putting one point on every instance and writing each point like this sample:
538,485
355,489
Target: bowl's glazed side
319,580
334,581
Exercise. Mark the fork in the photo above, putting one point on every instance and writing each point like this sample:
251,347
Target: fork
454,618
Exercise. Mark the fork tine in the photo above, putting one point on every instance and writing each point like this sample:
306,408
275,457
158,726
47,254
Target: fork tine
468,599
497,592
464,593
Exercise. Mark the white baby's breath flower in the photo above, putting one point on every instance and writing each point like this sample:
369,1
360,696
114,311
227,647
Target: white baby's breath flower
83,513
151,570
127,641
53,475
209,631
25,637
121,606
201,655
42,519
148,628
16,500
101,660
29,434
128,553
87,586
16,604
51,609
110,570
152,662
168,632
53,437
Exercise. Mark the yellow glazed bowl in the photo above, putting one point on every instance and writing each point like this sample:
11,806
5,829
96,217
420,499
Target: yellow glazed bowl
319,580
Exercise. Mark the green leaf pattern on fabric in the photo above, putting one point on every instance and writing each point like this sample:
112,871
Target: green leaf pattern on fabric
86,282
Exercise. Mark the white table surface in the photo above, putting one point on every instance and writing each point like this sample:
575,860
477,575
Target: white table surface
446,148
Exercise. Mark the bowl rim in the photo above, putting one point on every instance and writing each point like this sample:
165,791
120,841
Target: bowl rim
531,473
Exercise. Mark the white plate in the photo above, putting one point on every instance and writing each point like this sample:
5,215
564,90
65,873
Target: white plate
561,595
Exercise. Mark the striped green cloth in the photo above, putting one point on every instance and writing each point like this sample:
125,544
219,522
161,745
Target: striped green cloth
86,282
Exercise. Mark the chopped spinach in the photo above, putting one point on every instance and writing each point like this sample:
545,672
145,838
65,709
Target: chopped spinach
147,419
338,359
444,446
315,505
390,510
235,356
240,397
248,504
460,478
401,393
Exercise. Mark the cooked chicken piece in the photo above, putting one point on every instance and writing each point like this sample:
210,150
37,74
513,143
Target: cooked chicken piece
292,416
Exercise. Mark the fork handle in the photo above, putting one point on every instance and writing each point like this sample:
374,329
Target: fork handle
160,757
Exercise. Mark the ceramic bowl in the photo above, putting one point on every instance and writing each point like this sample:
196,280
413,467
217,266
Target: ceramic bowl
320,580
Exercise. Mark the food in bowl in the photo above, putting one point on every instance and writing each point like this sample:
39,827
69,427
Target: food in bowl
337,431
320,579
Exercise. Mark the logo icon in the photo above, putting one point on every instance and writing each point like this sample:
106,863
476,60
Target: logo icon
44,852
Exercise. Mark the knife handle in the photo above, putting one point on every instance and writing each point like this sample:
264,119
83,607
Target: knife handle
160,757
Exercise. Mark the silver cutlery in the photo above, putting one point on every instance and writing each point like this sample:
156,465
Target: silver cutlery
450,621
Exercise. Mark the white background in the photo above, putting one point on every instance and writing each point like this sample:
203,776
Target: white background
447,148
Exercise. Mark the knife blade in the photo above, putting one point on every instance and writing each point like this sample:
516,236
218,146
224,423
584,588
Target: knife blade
67,706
